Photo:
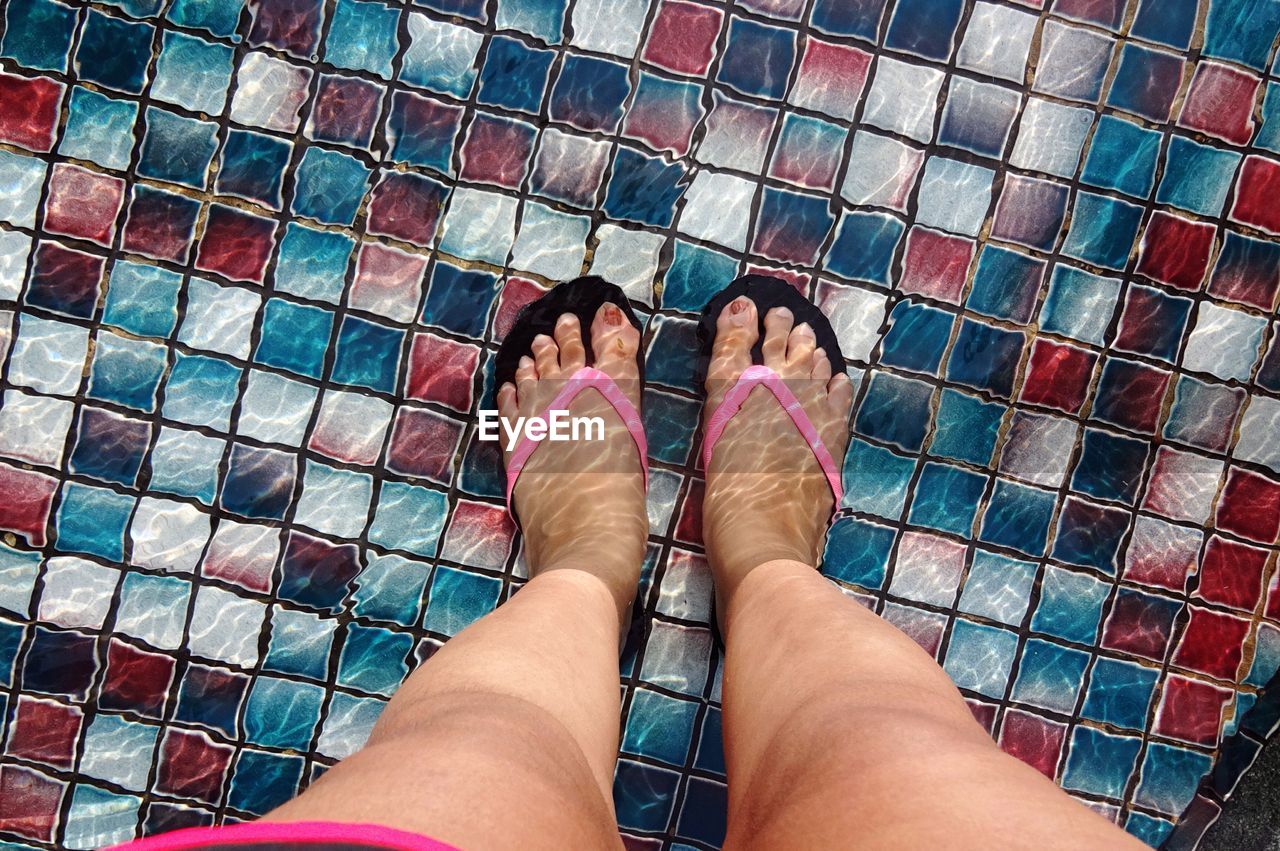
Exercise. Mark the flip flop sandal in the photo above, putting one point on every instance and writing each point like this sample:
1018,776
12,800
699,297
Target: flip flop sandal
581,297
767,293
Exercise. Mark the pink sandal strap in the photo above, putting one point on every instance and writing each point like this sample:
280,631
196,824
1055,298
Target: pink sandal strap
752,377
587,377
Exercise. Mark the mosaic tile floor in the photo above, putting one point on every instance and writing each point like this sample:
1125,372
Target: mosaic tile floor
254,260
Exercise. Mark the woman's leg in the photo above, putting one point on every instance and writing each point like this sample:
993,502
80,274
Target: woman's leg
507,736
839,729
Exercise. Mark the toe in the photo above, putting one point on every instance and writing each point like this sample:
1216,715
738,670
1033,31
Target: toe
507,406
801,344
777,327
819,366
840,394
526,379
546,355
614,342
568,336
737,329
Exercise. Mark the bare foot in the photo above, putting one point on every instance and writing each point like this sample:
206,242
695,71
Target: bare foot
581,503
767,498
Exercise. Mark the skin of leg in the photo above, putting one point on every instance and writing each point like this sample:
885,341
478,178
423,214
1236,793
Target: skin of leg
840,731
505,738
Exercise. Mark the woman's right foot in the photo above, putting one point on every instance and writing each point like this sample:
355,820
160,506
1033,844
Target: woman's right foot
766,496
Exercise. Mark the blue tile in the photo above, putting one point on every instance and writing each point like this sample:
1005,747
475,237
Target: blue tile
979,658
1006,284
543,19
201,391
857,552
860,18
142,299
99,129
1145,82
1269,135
589,93
1103,230
330,186
673,347
1070,605
126,371
1079,304
643,795
864,247
390,588
669,422
875,480
109,447
1049,676
946,498
1110,466
114,52
926,28
294,337
313,263
659,727
1197,177
917,337
1090,535
282,713
643,189
192,73
211,697
259,482
374,659
703,812
177,149
441,56
1153,831
1120,693
1100,763
252,167
92,520
966,428
1170,777
368,354
38,33
458,300
1242,31
362,37
757,58
1122,157
458,598
514,75
218,17
895,410
300,643
1018,516
186,463
1169,22
263,781
978,116
696,274
985,357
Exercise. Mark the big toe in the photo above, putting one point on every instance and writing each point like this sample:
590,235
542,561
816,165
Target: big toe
615,342
737,329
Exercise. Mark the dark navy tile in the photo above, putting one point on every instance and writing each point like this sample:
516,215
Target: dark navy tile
925,27
985,357
114,52
918,335
757,59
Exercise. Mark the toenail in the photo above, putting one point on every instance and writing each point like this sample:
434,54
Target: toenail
738,313
541,340
612,316
804,329
738,305
565,319
782,312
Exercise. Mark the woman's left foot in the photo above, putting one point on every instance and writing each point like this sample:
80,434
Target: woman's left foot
581,502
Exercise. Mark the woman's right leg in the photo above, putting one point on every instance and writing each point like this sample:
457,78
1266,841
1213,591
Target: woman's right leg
839,729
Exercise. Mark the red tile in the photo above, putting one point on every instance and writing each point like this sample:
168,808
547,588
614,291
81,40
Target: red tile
1176,251
683,37
1191,710
45,731
983,713
160,224
345,110
65,280
442,370
83,203
29,111
25,499
924,628
479,535
828,67
1058,376
1250,506
1034,740
935,264
1140,624
388,281
406,206
192,765
136,680
689,524
29,800
516,293
1256,193
243,555
1131,394
1212,644
1160,556
1232,574
423,445
1220,103
236,244
497,150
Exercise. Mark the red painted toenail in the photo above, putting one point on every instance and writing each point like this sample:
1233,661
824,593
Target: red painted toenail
612,316
738,306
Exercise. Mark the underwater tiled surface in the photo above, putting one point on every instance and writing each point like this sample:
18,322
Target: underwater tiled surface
255,258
